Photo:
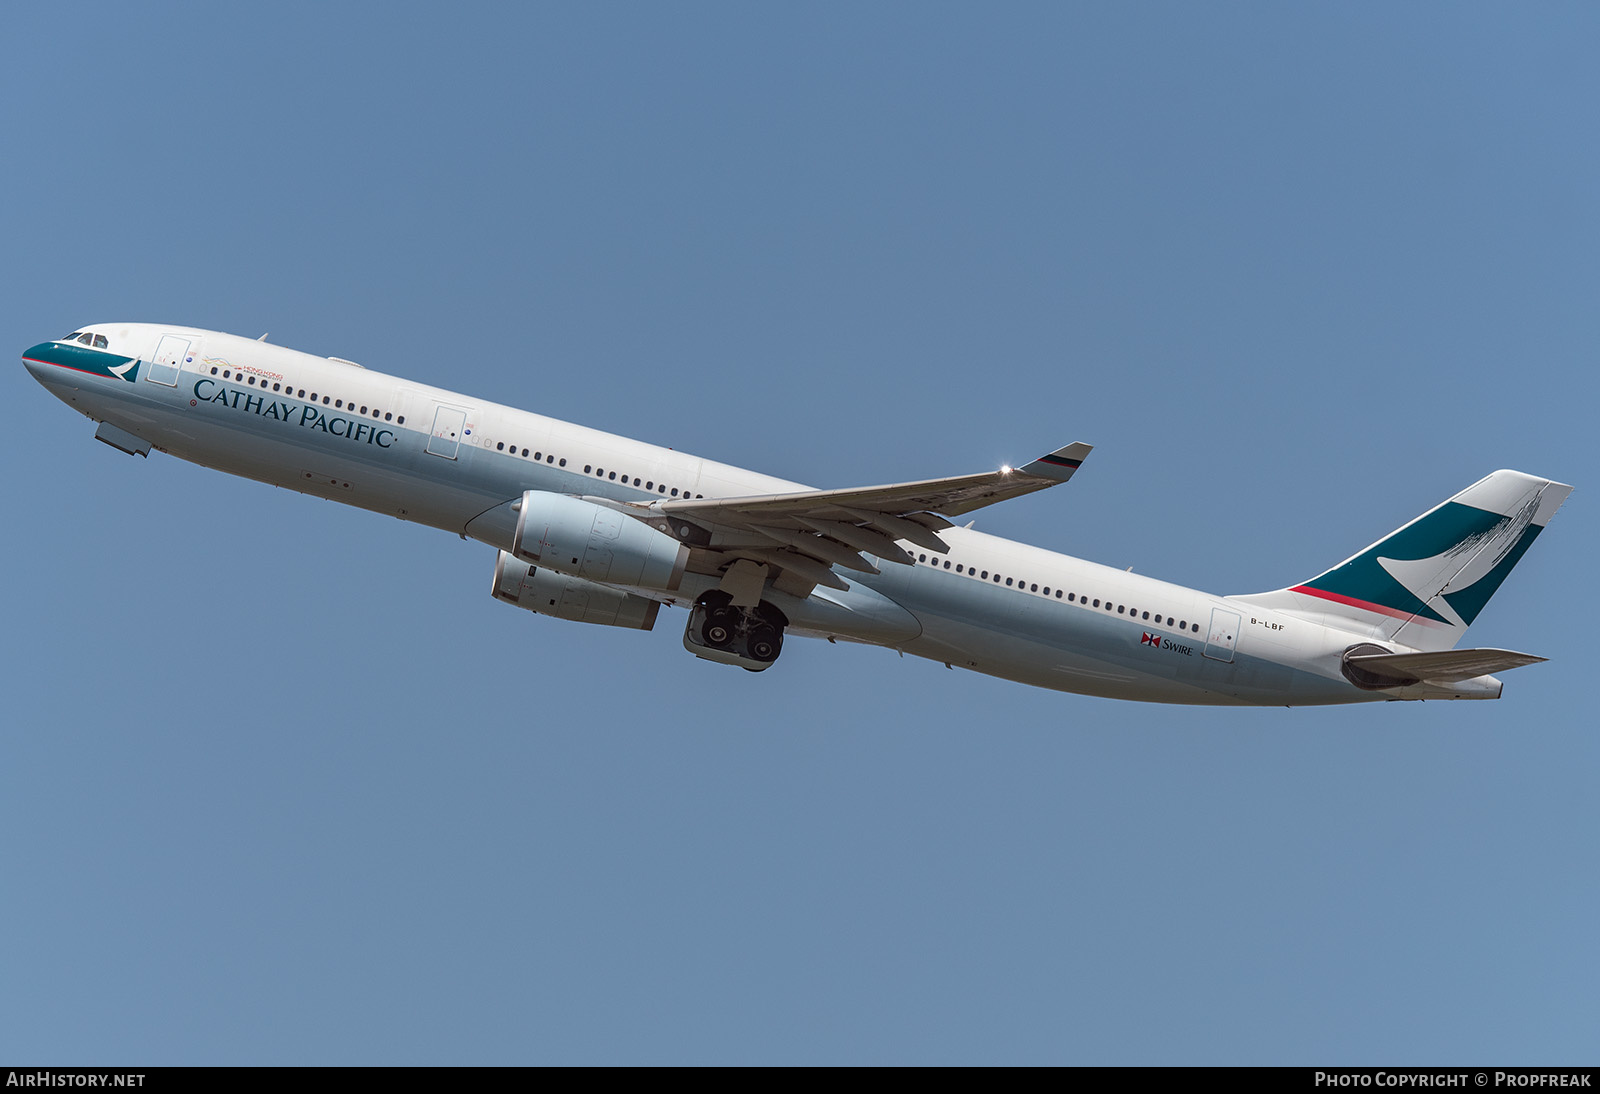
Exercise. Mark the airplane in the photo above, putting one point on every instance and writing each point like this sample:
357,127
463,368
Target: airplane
602,529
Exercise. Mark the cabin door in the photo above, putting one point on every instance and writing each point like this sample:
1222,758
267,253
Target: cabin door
1223,636
171,353
448,423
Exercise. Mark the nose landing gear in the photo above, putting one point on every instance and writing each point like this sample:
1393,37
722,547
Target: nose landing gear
751,638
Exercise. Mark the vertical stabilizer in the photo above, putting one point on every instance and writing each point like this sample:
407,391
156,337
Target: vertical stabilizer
1423,584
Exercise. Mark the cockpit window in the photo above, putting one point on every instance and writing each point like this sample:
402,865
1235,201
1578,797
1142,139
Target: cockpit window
72,336
100,341
86,339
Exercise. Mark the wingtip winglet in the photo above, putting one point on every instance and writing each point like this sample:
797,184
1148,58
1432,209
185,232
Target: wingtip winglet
1061,463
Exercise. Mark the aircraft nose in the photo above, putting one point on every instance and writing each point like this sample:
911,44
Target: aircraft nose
33,359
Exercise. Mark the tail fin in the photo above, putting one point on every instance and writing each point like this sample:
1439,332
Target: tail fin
1423,584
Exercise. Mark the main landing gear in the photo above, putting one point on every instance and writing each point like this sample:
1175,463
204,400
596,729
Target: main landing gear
751,638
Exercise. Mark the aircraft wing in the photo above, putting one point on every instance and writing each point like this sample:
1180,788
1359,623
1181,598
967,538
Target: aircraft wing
809,532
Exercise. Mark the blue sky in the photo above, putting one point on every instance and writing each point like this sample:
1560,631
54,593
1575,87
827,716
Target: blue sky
280,783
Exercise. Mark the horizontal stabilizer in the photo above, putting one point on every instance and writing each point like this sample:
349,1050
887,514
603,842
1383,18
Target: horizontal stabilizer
1441,666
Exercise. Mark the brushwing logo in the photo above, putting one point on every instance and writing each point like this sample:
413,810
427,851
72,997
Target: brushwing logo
1440,569
1463,565
94,362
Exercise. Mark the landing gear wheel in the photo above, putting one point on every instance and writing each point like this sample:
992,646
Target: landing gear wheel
748,636
764,643
718,629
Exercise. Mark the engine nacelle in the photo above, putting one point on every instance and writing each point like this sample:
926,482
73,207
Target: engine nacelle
550,593
580,539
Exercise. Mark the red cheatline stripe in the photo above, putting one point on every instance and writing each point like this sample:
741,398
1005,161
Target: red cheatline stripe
1364,605
74,368
1338,598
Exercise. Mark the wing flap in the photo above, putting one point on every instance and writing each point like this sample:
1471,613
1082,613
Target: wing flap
913,531
862,537
819,548
801,566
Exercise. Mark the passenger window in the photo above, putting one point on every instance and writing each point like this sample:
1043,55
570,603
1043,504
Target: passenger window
1119,609
213,370
501,446
1008,581
388,417
338,404
563,459
363,410
1182,626
613,476
674,491
1035,589
946,564
1097,603
1058,594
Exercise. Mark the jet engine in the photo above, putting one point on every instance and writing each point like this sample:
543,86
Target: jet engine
581,539
549,593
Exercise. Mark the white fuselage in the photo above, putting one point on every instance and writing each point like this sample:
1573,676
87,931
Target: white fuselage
337,430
